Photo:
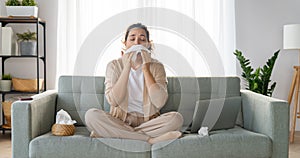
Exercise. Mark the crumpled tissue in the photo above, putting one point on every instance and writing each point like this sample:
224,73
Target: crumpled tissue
203,131
136,49
62,117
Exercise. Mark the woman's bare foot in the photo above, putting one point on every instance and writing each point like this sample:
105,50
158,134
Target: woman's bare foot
167,136
93,135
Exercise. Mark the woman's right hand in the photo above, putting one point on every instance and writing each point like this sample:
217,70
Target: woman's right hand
126,59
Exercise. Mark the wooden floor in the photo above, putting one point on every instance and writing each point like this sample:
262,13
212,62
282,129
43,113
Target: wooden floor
294,149
5,146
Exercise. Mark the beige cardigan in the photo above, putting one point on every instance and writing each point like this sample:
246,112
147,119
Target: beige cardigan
154,98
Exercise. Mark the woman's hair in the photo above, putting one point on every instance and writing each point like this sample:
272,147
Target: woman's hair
140,26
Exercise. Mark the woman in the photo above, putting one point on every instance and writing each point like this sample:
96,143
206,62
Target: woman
136,90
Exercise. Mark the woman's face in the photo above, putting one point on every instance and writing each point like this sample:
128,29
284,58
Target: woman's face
136,36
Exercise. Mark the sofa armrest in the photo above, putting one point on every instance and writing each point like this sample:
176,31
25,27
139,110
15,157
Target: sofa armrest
31,119
269,116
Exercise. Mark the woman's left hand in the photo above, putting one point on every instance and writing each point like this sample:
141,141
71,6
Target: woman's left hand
146,57
146,60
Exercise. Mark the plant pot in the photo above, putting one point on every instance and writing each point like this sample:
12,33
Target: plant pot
28,47
22,11
5,85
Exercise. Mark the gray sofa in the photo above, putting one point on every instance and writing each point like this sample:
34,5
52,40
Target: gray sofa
261,131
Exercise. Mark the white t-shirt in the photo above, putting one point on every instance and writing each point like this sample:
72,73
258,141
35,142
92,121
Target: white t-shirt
136,90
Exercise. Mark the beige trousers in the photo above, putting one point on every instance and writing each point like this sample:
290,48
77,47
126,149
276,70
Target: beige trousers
104,125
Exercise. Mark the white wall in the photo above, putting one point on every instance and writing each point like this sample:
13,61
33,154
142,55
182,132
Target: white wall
48,12
259,33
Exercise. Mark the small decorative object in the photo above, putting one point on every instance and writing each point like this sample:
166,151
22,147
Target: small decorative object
64,125
27,43
5,83
27,85
258,81
21,8
8,41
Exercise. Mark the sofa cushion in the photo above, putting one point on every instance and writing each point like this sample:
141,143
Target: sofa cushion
184,92
232,143
81,145
77,94
216,113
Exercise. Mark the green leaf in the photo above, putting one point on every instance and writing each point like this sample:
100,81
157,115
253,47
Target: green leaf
6,77
257,81
12,3
28,3
26,36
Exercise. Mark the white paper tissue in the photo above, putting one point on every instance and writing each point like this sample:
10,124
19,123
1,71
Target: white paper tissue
136,49
62,117
203,131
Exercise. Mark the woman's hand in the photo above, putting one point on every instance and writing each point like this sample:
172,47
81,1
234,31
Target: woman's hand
146,57
146,61
126,59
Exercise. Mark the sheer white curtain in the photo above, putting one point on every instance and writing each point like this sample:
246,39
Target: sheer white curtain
89,34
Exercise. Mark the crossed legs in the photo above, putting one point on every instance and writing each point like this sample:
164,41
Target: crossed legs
162,128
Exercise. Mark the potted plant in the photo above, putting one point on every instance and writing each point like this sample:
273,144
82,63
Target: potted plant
258,80
27,43
21,8
5,83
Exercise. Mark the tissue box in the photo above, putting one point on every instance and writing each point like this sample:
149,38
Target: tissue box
63,130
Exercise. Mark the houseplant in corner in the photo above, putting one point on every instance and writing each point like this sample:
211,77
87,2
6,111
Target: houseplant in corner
5,83
258,80
27,43
21,8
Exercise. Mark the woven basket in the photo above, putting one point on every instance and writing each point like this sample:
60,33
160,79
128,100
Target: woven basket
63,130
26,85
7,113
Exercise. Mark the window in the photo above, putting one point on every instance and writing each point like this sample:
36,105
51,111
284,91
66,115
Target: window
199,41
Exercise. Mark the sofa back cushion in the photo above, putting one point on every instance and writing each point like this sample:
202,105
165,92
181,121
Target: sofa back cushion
77,94
184,92
216,113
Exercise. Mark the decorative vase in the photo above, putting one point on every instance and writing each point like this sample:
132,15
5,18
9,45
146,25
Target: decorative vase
28,47
5,85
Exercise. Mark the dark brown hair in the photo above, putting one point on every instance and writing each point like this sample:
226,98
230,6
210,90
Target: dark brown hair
141,26
137,25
